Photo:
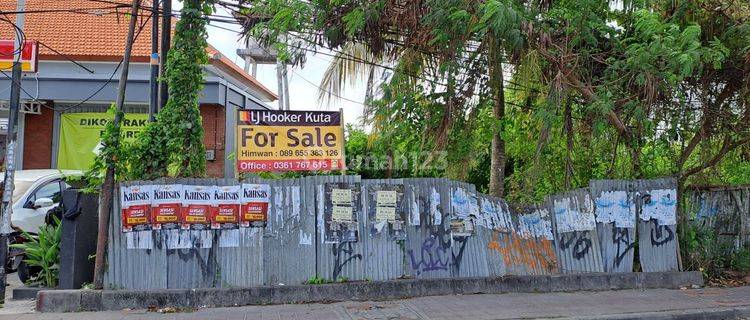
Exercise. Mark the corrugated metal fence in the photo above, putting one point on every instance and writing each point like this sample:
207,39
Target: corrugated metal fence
725,210
418,228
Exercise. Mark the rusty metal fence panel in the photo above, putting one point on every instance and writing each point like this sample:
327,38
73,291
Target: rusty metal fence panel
574,226
496,224
616,221
657,236
531,247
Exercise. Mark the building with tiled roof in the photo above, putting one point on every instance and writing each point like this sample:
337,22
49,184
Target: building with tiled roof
81,43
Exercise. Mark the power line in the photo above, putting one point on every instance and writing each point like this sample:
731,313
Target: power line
111,76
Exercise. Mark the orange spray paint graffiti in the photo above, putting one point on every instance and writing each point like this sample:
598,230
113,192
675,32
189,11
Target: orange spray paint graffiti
524,255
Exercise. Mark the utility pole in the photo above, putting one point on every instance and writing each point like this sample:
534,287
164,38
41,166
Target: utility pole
10,148
166,41
154,93
108,186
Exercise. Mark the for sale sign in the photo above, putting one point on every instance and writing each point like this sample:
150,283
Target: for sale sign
283,140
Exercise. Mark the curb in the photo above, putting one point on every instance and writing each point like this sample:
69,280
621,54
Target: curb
109,300
25,293
689,314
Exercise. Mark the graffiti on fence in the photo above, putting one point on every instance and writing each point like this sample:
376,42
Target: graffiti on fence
432,257
344,253
438,252
530,254
622,241
661,234
580,241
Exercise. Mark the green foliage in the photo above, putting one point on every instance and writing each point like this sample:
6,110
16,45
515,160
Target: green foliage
43,251
173,144
113,150
317,280
701,251
641,81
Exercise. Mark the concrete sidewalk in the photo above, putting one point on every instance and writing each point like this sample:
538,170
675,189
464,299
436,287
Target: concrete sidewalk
710,303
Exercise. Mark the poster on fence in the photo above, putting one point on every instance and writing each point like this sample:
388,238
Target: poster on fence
135,202
386,210
284,140
196,207
255,198
342,201
660,205
225,207
615,207
465,208
166,205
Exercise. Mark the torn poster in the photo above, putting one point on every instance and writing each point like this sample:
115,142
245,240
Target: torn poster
342,203
139,239
437,216
305,238
661,205
386,210
465,211
416,209
135,202
229,238
496,215
166,205
574,214
615,207
536,224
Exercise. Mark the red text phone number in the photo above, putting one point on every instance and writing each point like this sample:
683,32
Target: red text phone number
288,165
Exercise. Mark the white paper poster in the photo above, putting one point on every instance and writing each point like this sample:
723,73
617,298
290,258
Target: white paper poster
615,207
660,204
535,224
572,216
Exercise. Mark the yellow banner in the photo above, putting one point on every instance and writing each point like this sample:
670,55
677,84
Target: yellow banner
80,136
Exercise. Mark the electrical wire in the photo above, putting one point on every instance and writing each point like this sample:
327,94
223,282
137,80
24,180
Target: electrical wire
111,76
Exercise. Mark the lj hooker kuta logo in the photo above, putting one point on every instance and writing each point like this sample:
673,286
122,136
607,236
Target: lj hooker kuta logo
269,140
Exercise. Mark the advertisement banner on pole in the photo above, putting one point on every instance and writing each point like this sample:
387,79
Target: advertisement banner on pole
284,140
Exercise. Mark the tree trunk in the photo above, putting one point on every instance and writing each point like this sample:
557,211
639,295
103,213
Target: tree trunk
497,153
569,144
108,186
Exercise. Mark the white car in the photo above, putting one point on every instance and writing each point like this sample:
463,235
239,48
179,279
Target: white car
36,193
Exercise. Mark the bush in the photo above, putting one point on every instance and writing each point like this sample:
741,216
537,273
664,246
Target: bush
43,251
701,251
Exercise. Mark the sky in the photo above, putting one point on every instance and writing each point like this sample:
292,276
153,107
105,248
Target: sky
303,90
